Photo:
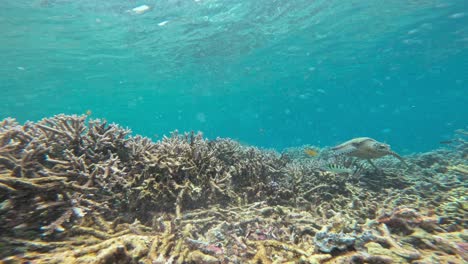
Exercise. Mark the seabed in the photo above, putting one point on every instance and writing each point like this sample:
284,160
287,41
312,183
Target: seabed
75,190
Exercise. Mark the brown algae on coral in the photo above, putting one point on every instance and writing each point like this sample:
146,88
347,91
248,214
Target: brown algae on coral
74,190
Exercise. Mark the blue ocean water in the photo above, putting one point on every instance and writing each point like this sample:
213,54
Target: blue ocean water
268,73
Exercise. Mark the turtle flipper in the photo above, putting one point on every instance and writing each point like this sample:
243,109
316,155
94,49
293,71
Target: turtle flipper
373,164
399,157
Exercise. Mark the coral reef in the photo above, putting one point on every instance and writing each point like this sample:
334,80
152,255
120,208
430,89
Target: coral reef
74,190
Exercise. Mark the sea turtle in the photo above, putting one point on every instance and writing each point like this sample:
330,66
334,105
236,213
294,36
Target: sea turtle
366,148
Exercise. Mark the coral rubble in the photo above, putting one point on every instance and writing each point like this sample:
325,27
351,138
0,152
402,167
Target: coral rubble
74,190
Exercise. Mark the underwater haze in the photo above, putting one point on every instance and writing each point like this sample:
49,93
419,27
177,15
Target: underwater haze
272,74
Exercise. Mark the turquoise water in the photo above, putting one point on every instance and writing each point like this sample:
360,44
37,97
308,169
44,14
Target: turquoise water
268,73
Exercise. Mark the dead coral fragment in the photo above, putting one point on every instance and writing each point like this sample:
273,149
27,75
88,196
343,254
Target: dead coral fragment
385,255
329,241
199,257
461,168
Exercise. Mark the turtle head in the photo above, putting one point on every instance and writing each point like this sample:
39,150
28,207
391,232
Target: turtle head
381,148
384,149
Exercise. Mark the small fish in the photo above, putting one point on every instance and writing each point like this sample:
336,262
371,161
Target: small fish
446,142
163,23
311,152
140,9
338,169
88,112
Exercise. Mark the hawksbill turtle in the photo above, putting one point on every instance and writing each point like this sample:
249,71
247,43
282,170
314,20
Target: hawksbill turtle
366,148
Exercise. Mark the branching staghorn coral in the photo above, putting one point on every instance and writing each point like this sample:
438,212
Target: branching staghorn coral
193,171
55,171
78,190
244,234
